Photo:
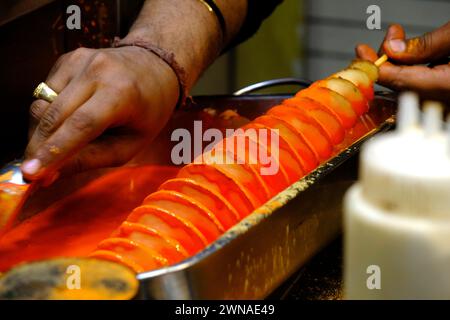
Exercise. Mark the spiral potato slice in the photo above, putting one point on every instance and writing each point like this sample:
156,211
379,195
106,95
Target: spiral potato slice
243,174
146,257
327,120
187,209
368,67
152,238
360,79
289,165
334,102
214,201
221,183
253,149
307,127
303,152
115,257
348,90
171,226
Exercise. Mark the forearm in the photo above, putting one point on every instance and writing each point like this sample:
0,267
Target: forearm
188,30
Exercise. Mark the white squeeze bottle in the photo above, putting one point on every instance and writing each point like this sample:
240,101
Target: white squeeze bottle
397,217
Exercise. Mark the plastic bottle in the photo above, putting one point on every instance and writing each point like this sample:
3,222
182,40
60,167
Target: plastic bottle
397,217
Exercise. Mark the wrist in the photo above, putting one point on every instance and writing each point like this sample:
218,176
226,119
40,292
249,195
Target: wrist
168,58
184,28
157,84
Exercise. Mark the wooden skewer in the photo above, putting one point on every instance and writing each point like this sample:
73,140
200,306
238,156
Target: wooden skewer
381,60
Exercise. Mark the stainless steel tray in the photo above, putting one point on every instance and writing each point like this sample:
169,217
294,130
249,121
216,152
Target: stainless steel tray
253,258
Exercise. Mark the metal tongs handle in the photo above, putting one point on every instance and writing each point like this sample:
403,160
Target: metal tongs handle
272,83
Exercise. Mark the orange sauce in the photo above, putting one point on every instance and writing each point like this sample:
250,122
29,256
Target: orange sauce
11,195
74,225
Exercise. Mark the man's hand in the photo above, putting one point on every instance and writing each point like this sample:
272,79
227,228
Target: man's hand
110,103
403,71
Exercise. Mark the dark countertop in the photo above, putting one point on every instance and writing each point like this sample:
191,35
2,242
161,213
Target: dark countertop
320,279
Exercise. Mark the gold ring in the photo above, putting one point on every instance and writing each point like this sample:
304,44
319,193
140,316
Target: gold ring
44,92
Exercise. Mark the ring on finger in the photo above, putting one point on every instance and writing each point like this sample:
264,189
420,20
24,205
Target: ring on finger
44,92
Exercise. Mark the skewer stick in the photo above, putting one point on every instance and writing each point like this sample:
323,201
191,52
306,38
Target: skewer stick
381,60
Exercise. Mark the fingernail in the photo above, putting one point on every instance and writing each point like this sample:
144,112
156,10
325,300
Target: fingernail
31,167
397,45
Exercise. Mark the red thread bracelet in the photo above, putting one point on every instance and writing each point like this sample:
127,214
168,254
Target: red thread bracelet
167,57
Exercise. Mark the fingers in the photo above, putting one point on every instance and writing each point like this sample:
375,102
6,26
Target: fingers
67,68
63,71
58,81
37,110
430,83
105,152
427,48
418,78
364,52
395,32
69,100
82,126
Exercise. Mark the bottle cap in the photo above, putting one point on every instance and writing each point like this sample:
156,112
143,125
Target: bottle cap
407,172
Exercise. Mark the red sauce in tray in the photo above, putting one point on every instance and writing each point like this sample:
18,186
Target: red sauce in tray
74,225
11,195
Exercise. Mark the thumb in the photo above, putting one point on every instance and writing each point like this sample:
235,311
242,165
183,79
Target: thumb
394,32
424,49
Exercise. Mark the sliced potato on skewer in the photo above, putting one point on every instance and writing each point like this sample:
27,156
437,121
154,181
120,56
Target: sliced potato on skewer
334,102
348,90
287,156
217,203
188,209
243,174
329,122
307,127
113,256
151,238
145,257
368,67
254,147
170,226
303,152
221,183
358,78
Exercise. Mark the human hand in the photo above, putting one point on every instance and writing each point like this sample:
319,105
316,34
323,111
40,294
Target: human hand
403,72
111,103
